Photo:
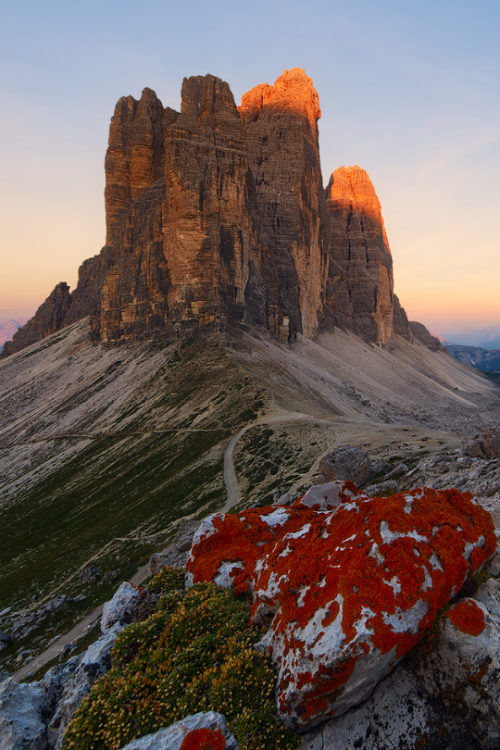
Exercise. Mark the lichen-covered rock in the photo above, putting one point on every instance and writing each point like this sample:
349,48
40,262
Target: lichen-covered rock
120,607
203,731
447,696
349,590
22,714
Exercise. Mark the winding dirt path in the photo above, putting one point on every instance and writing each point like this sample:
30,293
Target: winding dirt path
232,489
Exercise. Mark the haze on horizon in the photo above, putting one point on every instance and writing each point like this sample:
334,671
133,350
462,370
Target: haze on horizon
409,93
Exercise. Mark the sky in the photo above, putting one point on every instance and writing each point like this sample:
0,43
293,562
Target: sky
410,91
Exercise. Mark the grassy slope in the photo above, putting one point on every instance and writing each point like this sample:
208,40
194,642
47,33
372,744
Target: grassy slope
117,498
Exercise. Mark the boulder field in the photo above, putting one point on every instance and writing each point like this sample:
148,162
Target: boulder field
348,584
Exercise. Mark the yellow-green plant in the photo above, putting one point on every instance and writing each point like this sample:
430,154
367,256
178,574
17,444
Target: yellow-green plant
195,653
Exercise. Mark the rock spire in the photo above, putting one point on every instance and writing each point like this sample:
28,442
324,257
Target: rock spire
216,216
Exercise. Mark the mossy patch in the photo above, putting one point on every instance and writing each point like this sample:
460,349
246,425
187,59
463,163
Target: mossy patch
195,653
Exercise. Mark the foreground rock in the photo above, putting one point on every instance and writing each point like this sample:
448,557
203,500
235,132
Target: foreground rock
176,554
203,730
88,668
36,715
23,709
485,445
348,583
120,608
444,697
347,462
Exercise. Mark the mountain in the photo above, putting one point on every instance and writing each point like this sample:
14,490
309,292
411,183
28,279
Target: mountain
483,359
485,338
239,322
8,329
216,216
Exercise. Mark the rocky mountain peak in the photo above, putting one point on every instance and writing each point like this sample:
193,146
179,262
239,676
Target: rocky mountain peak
360,296
292,92
216,216
351,187
203,96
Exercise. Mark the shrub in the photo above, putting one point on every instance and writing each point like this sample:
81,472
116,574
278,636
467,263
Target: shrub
194,654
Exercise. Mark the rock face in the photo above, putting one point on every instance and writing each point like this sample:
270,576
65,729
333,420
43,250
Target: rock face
348,583
283,154
360,291
8,329
420,333
216,216
446,696
22,713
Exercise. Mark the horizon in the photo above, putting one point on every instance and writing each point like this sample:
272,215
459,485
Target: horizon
416,106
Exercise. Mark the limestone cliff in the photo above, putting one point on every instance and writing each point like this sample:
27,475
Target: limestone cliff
216,215
283,153
360,279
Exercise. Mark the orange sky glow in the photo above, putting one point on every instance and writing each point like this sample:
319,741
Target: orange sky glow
415,103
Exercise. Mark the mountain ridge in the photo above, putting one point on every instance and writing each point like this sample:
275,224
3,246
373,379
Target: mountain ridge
217,216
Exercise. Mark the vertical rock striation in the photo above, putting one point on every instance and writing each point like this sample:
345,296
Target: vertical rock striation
283,152
216,216
360,280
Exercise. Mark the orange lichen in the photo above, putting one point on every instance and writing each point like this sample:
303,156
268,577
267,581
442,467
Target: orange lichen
364,566
467,617
204,739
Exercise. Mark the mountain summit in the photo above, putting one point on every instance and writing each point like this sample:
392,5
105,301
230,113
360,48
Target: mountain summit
217,216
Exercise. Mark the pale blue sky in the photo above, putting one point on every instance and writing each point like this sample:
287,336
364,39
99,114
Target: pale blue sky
408,90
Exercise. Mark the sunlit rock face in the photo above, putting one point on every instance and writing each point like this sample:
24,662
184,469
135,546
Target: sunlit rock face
360,290
216,216
347,583
283,153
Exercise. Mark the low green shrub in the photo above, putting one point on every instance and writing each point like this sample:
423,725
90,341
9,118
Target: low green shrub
168,579
195,653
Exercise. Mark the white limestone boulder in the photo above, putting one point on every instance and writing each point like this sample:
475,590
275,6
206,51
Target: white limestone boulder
23,710
120,607
200,729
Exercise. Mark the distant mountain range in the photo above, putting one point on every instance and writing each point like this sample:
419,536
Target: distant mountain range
9,328
485,338
476,356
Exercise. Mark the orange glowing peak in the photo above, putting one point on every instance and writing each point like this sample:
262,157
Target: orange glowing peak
293,91
351,189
